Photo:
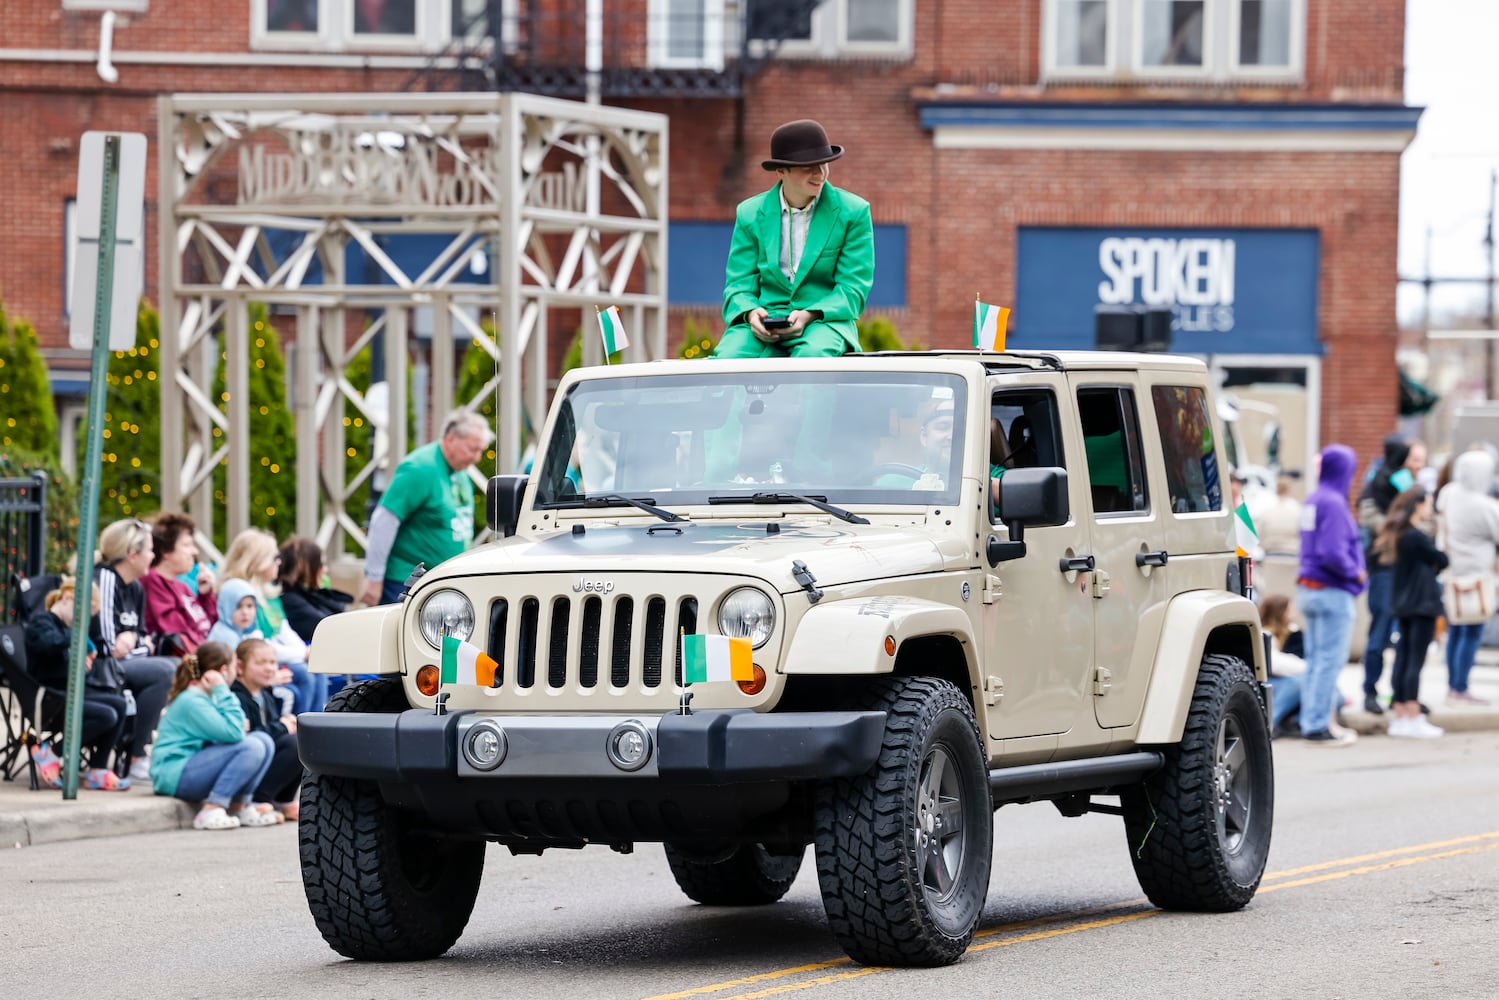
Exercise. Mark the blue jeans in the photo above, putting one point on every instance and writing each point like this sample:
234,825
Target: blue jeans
1462,650
1285,698
1381,624
309,690
1328,635
224,773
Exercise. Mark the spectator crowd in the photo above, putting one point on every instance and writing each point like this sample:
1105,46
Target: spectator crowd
1422,543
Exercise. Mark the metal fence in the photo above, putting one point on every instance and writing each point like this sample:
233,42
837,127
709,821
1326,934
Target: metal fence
23,536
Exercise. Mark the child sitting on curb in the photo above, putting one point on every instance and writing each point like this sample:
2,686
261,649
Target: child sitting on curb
257,672
202,751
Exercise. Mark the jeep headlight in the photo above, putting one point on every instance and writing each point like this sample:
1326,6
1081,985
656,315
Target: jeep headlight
446,612
747,613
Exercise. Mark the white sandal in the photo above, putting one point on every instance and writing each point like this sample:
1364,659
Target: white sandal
259,814
214,818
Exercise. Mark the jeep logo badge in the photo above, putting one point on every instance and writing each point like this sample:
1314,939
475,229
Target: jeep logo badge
582,586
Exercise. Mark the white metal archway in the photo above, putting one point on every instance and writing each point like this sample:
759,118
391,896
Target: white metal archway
262,198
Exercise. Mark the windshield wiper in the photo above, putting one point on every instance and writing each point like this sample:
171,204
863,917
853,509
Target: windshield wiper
617,500
819,502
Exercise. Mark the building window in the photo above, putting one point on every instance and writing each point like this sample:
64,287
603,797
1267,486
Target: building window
687,33
1203,39
392,25
832,29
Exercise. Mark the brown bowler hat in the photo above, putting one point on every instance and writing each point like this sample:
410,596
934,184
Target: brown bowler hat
801,143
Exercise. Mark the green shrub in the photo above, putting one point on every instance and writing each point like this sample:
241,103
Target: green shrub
29,420
64,501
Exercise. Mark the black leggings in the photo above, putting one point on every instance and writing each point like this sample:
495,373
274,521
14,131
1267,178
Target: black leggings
1416,633
103,722
285,773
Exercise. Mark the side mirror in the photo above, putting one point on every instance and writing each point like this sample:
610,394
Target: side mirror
1036,498
502,503
1028,497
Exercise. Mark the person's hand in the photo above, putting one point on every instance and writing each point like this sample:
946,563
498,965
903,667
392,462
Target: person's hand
800,319
150,644
206,580
124,643
283,677
370,595
758,328
290,722
212,679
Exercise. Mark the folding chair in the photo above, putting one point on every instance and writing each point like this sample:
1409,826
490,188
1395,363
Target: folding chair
33,714
32,591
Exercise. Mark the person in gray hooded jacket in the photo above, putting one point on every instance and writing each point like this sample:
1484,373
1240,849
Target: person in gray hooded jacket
1468,532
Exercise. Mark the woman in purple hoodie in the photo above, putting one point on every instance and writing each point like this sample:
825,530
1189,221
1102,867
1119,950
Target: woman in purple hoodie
1331,575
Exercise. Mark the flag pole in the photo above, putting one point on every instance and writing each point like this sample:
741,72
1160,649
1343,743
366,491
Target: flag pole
684,703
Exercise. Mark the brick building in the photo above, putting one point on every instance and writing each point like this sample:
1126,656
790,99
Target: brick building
1236,160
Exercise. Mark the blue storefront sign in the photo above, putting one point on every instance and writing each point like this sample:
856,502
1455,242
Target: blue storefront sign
1239,291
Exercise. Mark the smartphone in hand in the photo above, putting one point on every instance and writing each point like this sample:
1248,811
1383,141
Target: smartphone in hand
776,322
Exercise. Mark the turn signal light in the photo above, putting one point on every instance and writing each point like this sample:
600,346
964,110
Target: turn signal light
889,645
754,686
427,680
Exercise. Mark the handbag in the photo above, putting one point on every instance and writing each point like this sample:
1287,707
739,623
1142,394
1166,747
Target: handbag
105,675
1468,600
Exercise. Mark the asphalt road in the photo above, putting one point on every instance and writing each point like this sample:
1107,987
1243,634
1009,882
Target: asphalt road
1383,882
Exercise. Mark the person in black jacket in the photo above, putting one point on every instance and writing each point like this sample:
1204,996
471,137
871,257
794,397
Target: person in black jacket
1381,486
1415,601
305,596
257,674
49,636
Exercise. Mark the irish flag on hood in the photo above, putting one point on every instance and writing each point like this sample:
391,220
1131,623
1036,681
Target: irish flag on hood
465,663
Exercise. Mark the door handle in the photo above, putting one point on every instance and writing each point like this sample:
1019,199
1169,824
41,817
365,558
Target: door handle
1156,558
1076,564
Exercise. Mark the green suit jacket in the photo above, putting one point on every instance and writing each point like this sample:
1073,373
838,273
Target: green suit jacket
835,272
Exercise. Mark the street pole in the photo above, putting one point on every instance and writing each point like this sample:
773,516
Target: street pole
1488,242
89,512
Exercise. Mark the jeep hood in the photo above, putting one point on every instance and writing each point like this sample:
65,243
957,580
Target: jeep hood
836,553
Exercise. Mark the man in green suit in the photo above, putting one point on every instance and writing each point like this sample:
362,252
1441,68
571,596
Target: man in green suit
802,253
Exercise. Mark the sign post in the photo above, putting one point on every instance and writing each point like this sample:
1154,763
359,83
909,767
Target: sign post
111,192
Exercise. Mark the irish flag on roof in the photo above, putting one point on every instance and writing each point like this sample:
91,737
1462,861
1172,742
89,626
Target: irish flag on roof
989,323
716,658
465,663
615,337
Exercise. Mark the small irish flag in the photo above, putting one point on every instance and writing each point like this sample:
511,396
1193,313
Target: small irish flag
716,658
989,323
615,337
465,663
1246,539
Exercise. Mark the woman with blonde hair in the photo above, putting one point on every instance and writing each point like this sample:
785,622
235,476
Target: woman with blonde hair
127,660
254,558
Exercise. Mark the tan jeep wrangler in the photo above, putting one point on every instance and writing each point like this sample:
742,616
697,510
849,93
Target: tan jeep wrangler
968,580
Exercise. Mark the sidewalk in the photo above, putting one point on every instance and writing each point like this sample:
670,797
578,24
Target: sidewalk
29,818
1483,682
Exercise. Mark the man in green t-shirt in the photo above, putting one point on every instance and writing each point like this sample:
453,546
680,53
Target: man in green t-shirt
426,514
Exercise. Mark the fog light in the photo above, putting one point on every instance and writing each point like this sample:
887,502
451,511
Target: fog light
756,685
427,680
484,745
628,746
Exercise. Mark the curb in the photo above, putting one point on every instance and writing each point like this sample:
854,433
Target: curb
1460,721
64,821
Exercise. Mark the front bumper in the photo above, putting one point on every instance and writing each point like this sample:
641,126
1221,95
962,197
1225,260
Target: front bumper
706,747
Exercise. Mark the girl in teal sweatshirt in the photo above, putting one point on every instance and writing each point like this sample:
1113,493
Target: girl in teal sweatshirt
202,751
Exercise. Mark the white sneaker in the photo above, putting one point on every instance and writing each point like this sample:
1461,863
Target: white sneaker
1399,727
140,770
1421,729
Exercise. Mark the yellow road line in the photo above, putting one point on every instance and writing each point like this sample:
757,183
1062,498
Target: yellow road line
1476,844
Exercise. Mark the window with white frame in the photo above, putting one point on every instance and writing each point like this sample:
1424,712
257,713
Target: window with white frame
337,25
834,28
1202,39
686,33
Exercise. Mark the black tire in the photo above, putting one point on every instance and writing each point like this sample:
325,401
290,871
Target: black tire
1199,828
747,875
381,889
903,850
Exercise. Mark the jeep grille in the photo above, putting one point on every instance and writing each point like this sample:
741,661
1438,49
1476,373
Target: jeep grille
606,632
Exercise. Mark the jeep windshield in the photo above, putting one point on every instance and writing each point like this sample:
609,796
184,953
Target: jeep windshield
845,438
